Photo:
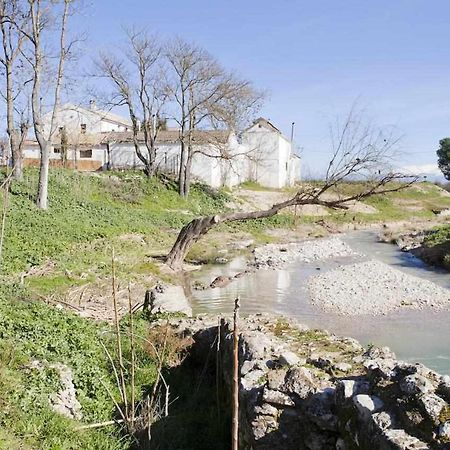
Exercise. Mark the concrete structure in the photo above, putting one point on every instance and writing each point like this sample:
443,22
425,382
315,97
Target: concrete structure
99,140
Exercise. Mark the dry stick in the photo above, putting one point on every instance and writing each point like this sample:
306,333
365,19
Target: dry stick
114,369
133,359
99,424
218,368
119,344
5,185
235,411
119,409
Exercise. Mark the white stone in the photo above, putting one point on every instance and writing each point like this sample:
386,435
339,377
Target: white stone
288,358
367,404
277,398
444,431
343,367
415,384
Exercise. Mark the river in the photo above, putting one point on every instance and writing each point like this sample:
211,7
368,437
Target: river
422,336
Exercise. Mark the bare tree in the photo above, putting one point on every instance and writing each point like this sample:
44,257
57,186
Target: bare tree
12,13
360,152
46,16
204,93
138,80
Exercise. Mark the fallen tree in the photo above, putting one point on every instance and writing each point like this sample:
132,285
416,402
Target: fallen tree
359,153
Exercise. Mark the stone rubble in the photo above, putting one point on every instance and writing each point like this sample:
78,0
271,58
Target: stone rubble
359,399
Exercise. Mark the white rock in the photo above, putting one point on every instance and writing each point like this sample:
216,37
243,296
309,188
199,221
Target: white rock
433,406
367,404
444,431
277,398
343,367
288,358
415,384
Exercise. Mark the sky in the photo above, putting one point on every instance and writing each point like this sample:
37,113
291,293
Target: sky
315,59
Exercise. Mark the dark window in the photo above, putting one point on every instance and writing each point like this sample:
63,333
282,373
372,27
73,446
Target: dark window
86,153
56,150
83,128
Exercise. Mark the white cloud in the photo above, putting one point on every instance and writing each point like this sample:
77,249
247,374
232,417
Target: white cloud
423,169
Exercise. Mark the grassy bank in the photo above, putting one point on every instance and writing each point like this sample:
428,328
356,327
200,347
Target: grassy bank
33,331
68,248
436,246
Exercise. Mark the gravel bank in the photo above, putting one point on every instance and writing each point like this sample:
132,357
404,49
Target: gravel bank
276,256
372,287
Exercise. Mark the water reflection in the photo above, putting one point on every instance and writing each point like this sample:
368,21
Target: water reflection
414,335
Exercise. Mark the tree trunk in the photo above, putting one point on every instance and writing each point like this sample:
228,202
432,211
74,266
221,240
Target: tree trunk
192,232
187,174
187,237
42,196
182,170
17,157
16,153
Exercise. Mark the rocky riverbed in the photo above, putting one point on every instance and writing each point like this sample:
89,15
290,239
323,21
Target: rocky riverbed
277,256
372,287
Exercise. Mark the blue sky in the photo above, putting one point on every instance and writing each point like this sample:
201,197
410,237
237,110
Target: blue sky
315,59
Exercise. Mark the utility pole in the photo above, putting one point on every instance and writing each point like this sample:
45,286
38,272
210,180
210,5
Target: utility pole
292,131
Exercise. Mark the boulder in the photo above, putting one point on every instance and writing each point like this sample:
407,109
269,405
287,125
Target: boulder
275,378
433,406
381,368
415,384
444,431
401,440
300,381
288,358
343,367
276,398
382,420
346,389
366,405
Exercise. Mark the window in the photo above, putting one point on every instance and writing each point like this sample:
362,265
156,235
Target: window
86,153
83,128
56,150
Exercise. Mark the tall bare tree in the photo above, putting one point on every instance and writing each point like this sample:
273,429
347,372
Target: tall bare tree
204,93
137,76
360,152
47,17
13,18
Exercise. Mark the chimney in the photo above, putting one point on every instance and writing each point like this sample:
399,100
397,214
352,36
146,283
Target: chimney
92,104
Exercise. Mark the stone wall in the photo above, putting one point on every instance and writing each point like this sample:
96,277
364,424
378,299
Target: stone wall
308,389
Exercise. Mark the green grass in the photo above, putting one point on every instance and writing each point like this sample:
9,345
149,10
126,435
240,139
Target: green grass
84,208
438,241
34,331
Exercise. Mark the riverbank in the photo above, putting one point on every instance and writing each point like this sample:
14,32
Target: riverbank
308,388
431,244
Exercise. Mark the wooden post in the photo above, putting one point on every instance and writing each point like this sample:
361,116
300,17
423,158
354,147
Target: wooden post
235,412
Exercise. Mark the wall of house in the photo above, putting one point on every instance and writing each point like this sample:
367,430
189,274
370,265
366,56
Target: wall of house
213,171
264,150
73,117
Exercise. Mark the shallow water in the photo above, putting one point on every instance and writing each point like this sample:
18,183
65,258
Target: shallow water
414,335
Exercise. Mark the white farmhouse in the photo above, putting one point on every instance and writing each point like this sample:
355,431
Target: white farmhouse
273,162
99,140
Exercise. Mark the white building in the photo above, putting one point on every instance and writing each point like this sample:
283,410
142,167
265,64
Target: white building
273,162
99,140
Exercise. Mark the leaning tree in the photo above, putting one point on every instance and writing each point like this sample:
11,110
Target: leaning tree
361,152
